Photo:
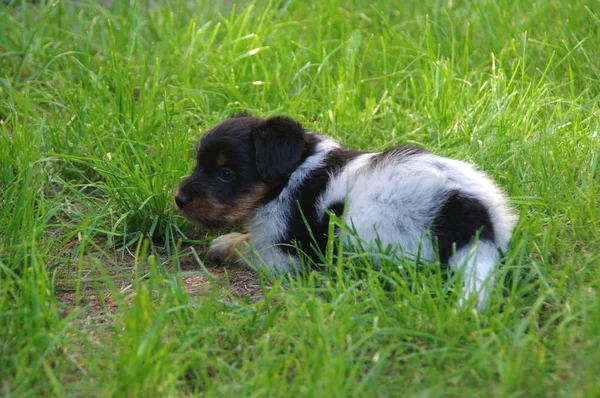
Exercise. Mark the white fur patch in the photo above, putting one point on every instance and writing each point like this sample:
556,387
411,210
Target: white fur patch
477,262
392,204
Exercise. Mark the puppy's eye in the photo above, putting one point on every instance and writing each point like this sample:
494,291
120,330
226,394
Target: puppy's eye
225,175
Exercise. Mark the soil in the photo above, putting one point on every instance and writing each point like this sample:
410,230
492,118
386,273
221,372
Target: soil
93,297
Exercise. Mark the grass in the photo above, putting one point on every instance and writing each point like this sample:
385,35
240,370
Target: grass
100,107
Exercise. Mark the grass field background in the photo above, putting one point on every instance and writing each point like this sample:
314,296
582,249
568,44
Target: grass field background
102,286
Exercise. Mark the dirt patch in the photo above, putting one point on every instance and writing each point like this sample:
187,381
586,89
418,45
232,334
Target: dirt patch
102,280
238,282
98,306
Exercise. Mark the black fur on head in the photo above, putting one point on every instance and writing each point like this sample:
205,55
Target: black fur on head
241,162
279,146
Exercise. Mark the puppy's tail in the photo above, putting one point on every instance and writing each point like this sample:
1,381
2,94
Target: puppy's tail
477,261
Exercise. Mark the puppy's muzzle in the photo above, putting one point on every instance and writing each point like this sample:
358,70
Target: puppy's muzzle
181,199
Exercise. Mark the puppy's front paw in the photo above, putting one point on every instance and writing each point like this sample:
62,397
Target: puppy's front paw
225,247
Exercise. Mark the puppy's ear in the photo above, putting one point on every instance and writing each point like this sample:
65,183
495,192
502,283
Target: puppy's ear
279,145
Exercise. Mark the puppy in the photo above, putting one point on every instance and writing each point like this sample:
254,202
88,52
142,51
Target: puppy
285,182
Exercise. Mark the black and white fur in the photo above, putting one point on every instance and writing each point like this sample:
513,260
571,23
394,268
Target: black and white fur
406,197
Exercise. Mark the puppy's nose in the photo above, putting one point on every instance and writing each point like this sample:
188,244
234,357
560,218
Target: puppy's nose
181,200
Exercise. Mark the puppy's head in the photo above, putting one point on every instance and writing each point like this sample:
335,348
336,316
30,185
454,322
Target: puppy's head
240,163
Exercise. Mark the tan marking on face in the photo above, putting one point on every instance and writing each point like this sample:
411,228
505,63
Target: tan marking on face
205,207
221,160
208,208
247,204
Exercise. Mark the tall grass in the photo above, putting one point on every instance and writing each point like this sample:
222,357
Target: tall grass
101,106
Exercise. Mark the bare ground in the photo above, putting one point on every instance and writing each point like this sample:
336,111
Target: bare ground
81,284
